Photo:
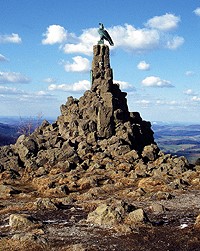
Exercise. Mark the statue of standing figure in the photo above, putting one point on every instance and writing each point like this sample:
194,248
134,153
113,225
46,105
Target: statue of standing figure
104,35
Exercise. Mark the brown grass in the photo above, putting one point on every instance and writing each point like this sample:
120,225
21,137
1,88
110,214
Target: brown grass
14,245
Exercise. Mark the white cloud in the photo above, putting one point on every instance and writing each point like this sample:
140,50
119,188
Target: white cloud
85,49
124,85
36,96
196,99
197,11
49,80
160,102
153,81
175,42
84,44
189,73
169,103
2,58
13,77
143,39
11,94
126,37
129,38
143,102
82,85
143,66
42,93
166,22
173,102
80,64
55,34
13,38
9,90
189,92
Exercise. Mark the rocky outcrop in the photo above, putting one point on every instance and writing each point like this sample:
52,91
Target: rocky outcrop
102,112
98,122
97,156
94,132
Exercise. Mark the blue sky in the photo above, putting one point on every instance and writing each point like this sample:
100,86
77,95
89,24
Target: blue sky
46,53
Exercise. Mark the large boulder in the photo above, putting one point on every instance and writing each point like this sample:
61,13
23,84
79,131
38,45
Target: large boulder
23,222
121,216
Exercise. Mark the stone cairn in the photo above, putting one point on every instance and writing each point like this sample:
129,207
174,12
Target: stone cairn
98,122
95,130
102,113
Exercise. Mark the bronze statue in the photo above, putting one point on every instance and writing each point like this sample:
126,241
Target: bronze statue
104,35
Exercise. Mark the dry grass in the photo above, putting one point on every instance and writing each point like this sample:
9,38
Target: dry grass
14,245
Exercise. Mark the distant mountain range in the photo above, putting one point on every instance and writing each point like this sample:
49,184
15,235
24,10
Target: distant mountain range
177,139
8,134
182,140
12,127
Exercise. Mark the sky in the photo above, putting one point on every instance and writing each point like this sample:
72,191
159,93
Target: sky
46,53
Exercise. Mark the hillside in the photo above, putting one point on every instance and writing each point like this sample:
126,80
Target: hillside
183,140
8,133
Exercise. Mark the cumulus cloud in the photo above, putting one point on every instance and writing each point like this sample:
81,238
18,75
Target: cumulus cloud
78,48
80,64
143,66
168,102
13,38
154,35
49,80
189,73
196,98
79,86
174,42
189,92
55,34
13,77
153,81
143,102
197,11
124,85
140,40
42,93
126,37
2,58
84,43
36,96
166,22
9,90
12,94
129,38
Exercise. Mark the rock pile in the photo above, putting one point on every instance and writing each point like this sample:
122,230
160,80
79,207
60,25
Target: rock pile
96,132
96,155
95,143
99,122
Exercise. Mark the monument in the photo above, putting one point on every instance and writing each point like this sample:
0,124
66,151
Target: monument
98,121
104,35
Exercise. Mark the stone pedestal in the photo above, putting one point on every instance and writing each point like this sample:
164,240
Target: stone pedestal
101,66
105,108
